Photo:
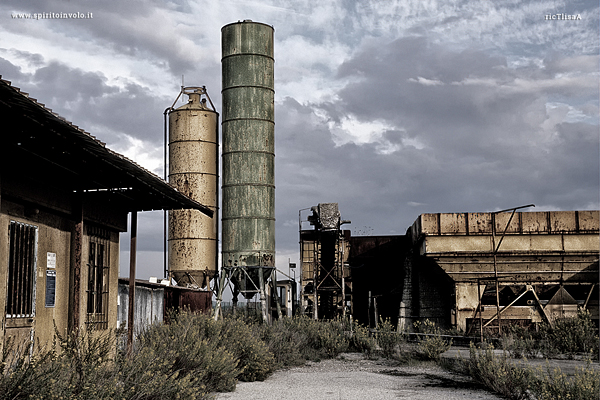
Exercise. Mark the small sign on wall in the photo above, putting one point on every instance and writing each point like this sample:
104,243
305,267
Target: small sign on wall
50,287
50,260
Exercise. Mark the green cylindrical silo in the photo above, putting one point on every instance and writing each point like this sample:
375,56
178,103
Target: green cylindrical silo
248,126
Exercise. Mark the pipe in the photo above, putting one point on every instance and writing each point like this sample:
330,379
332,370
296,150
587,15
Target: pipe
165,266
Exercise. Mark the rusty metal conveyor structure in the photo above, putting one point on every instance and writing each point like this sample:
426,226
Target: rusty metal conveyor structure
326,283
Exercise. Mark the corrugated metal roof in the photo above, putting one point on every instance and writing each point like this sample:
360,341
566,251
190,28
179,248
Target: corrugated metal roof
89,165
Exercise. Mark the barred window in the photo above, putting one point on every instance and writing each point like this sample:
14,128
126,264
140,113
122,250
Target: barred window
97,290
20,297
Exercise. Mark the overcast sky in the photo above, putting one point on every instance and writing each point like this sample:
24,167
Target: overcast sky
390,108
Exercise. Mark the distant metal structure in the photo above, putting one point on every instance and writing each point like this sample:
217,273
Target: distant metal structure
325,279
194,171
495,269
248,187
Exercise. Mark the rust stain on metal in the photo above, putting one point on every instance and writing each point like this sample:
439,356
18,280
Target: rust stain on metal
193,170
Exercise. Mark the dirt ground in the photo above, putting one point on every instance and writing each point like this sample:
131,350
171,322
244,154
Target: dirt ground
353,377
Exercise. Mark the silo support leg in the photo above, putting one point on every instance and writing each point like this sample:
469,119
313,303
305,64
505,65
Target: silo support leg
274,283
217,311
263,296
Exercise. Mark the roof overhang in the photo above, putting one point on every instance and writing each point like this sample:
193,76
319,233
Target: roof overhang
83,164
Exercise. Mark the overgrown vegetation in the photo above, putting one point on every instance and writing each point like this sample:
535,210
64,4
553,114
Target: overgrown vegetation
193,356
499,373
567,337
555,385
431,344
519,382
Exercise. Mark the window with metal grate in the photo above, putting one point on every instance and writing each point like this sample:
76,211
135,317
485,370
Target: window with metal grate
20,297
98,271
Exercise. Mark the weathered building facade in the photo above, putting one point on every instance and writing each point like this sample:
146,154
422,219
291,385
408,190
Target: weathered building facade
469,270
64,199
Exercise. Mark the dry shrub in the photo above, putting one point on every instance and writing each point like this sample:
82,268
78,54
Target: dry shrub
431,345
285,341
256,362
570,336
555,385
388,338
499,374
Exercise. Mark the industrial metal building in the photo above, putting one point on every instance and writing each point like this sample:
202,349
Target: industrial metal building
469,270
461,270
64,198
326,284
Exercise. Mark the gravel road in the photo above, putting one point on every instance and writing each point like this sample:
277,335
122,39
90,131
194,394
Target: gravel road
352,377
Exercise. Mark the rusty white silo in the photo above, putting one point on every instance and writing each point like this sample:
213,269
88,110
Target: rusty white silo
248,187
193,170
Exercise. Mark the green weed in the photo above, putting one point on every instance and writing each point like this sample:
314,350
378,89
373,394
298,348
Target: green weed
431,345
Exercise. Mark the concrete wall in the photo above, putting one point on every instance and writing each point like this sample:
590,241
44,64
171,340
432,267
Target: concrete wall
53,237
54,243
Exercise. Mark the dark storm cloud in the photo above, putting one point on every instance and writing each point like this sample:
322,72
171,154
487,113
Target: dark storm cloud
89,101
9,71
481,125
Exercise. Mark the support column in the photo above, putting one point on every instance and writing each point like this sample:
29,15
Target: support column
263,296
276,295
220,289
132,261
76,261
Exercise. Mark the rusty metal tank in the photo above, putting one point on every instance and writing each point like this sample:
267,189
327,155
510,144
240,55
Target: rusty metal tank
248,187
193,170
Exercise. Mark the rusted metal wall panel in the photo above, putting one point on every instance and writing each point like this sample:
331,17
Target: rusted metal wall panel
527,222
588,221
479,223
149,304
511,244
453,223
532,223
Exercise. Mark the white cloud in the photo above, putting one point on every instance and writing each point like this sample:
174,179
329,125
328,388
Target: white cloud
141,152
426,82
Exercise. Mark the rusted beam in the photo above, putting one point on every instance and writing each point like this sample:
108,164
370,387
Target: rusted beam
263,296
527,289
587,300
495,250
539,303
276,295
132,261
